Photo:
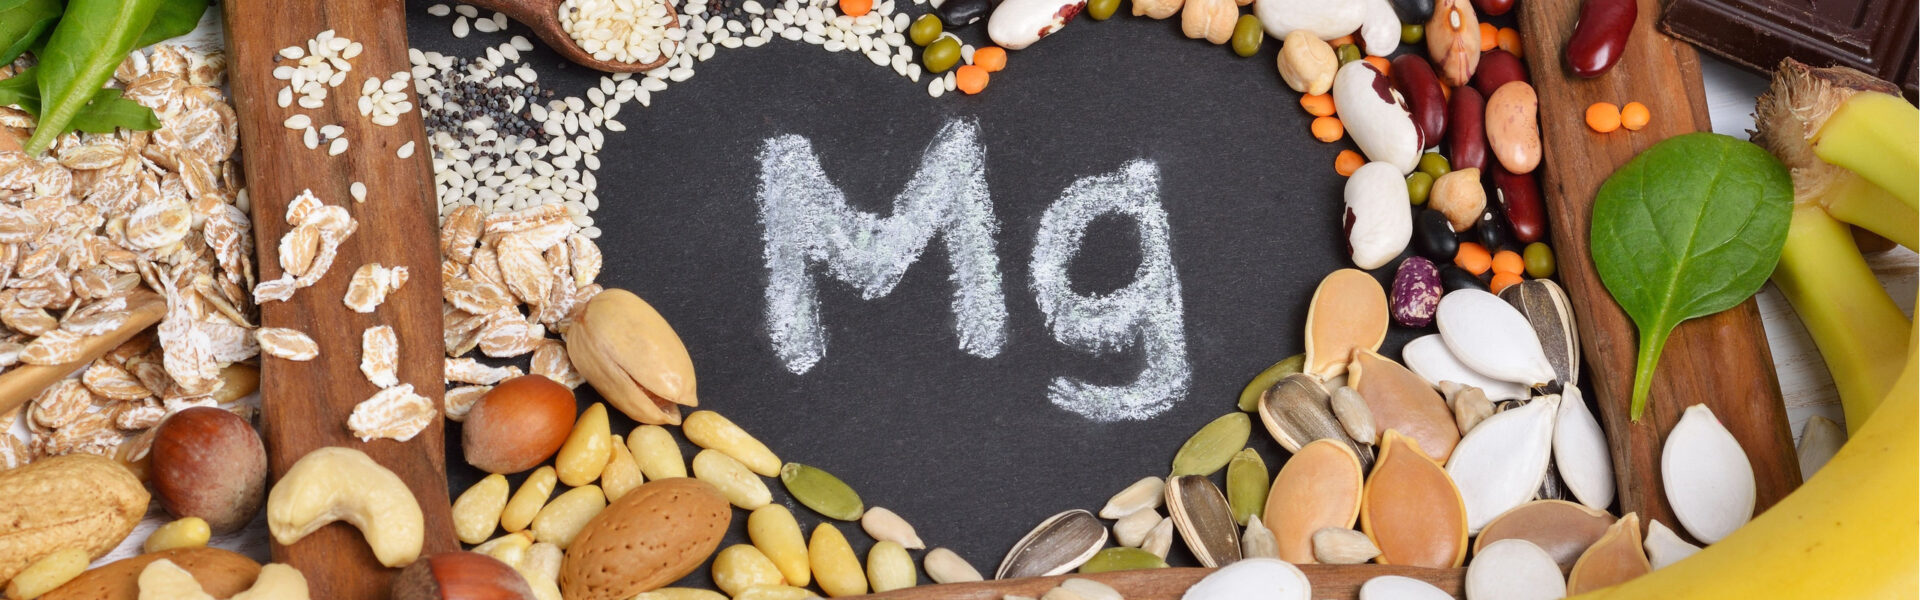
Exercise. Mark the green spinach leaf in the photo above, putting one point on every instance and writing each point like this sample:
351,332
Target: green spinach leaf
174,19
88,43
22,90
22,22
103,112
1690,227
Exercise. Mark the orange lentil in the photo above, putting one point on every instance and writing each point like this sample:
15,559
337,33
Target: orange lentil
1473,257
1328,129
970,78
1345,39
1347,162
1510,41
1634,115
1603,117
1319,105
1379,62
855,8
1508,261
1489,36
991,58
1502,280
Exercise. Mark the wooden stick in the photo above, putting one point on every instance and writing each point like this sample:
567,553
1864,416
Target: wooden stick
1330,582
22,382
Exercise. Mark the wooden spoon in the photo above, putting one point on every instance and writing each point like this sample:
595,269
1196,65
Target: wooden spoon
543,17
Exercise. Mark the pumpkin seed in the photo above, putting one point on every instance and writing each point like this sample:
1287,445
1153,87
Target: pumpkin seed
1213,446
1204,520
1401,400
1580,452
943,566
1547,309
1250,395
1411,509
1500,464
1264,578
1351,409
1820,438
1132,529
1246,484
1615,558
1160,540
1342,546
1059,544
1144,494
886,526
1122,559
1429,357
1348,312
1296,412
1564,529
1664,547
1514,569
1257,541
889,567
821,491
1708,479
1492,338
1398,587
1319,487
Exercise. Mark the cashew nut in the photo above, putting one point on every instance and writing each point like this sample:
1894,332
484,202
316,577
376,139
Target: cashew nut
343,484
163,580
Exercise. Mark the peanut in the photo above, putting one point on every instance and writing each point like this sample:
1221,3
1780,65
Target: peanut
190,532
621,474
477,512
775,532
835,567
740,566
707,429
52,571
889,567
1307,63
740,486
561,520
659,456
526,502
584,455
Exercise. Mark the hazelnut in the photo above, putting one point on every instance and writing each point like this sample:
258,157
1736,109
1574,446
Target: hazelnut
518,424
460,576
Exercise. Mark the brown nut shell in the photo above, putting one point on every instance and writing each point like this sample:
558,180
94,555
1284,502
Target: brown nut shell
460,576
1411,509
208,462
221,574
517,425
650,537
72,501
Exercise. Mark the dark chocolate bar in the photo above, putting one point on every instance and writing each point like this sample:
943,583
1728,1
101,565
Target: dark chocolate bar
1876,36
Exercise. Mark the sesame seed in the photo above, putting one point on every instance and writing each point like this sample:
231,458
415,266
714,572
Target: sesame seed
359,191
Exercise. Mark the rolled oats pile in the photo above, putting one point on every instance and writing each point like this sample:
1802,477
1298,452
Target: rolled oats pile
108,226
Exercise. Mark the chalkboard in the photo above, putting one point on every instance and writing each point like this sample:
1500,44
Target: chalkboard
968,449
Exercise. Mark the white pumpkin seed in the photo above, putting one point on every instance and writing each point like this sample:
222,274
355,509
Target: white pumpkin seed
1396,587
1500,464
1708,479
1429,357
1343,546
1664,547
1514,570
1258,541
1142,495
1160,540
944,566
1580,451
1491,337
1547,309
1204,519
1253,579
1820,438
1059,544
1132,529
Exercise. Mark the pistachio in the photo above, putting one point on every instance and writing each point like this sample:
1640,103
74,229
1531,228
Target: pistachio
1514,569
775,532
707,429
821,491
1246,484
1122,559
1257,541
1459,196
884,525
1342,546
1160,540
1307,63
1132,529
890,568
1348,311
1614,559
1709,481
1204,520
1580,451
1213,446
1211,20
1319,487
632,357
1411,509
739,485
1059,544
1144,494
1351,409
943,566
1499,465
1401,400
1564,529
1453,40
1664,547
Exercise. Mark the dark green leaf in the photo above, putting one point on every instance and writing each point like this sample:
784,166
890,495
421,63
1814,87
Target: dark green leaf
23,22
21,90
108,111
90,41
174,19
1690,227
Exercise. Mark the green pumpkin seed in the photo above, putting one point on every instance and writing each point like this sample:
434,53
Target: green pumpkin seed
1250,397
822,492
1247,484
1122,559
1210,448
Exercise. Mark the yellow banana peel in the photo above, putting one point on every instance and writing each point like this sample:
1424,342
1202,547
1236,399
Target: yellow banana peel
1852,320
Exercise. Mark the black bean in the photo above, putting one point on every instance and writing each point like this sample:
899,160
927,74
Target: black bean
961,13
1454,278
1433,236
1492,230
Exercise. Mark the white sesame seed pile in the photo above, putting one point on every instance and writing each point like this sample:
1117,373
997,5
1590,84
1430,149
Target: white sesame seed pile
383,101
628,31
322,64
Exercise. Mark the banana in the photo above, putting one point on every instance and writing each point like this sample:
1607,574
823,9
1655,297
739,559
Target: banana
1878,136
1848,533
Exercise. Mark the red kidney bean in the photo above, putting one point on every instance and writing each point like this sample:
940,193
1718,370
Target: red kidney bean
1497,67
1519,198
1420,87
1493,7
1600,36
1467,139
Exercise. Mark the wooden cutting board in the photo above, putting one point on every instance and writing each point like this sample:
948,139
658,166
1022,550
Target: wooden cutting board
304,405
1723,359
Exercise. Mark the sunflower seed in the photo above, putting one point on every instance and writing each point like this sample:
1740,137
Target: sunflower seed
1499,464
1132,529
1547,309
1492,338
886,526
1296,413
1470,405
1514,569
1059,544
1353,414
1205,521
1342,546
1160,540
1708,479
1144,494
